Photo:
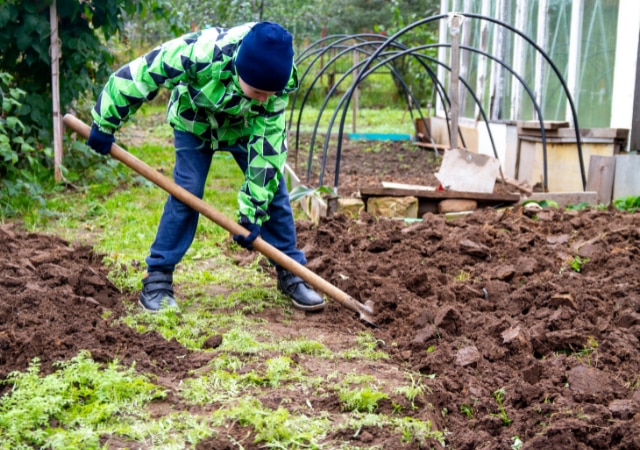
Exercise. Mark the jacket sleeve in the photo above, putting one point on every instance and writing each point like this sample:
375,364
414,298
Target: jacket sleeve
140,80
267,155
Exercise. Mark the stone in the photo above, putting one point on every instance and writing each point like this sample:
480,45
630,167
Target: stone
623,409
517,339
395,207
468,356
423,336
558,239
455,205
588,383
475,249
504,272
351,207
563,300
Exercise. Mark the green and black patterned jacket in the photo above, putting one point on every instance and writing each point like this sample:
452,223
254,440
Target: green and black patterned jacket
207,100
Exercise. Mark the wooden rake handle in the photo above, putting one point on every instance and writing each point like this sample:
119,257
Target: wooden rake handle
186,197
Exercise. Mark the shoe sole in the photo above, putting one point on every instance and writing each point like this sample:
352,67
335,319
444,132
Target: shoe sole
318,307
154,311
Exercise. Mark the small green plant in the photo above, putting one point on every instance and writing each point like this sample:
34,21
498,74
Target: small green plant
467,410
577,262
275,428
633,384
499,396
584,354
74,406
578,207
517,443
368,348
630,203
361,400
411,392
462,276
415,430
397,408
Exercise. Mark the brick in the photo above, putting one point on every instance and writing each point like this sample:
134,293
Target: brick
453,205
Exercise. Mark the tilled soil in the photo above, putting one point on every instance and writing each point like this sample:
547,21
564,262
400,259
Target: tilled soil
528,324
490,304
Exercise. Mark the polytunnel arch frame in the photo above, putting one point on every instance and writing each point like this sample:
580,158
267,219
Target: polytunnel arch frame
319,53
350,91
345,50
471,92
364,43
337,39
421,57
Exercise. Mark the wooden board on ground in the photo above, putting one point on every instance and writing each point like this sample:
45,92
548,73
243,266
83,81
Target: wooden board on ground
429,145
428,200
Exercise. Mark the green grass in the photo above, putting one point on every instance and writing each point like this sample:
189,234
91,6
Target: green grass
75,406
383,120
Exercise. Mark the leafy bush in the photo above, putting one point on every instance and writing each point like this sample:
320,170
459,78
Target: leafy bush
84,29
23,162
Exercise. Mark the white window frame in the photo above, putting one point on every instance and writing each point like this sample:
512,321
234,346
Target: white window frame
625,64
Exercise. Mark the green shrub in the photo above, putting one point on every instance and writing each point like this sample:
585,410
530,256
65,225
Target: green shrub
24,163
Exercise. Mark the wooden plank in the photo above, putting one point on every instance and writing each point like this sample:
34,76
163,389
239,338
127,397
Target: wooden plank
417,187
600,177
570,133
598,133
429,145
567,140
436,195
548,125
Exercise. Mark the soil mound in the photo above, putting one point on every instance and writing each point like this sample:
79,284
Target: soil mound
53,298
530,323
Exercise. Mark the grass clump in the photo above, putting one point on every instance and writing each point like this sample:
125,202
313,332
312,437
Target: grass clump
362,400
412,391
224,383
74,406
368,348
411,430
275,428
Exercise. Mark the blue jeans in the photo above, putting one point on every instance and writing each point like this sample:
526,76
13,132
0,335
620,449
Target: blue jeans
178,222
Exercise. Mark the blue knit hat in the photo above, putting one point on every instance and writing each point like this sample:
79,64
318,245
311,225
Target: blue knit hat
265,58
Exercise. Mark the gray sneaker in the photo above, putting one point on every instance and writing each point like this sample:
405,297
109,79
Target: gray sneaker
157,292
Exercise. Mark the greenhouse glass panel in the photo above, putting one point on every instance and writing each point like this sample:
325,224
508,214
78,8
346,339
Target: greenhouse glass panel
529,67
594,87
554,98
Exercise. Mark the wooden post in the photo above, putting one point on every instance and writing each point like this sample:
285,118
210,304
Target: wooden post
454,94
55,92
